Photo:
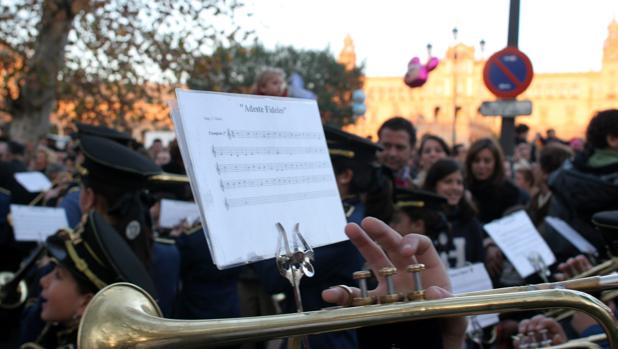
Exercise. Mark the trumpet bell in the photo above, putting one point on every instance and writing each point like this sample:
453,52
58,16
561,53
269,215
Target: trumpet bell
11,301
110,310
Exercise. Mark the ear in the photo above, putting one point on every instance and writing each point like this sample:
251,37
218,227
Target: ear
87,199
612,141
84,300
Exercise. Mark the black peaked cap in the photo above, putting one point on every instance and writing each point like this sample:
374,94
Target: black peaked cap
98,256
410,199
109,162
342,144
105,132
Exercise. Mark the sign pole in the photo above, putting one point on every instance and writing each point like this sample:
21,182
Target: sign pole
507,130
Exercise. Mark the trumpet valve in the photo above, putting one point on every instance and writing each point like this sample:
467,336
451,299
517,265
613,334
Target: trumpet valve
392,296
418,293
364,299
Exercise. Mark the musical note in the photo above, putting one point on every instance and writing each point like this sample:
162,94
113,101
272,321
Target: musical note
229,184
272,166
255,151
273,134
271,199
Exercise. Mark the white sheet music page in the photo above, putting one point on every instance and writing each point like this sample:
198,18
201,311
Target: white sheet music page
33,223
519,240
471,278
173,212
256,161
564,229
34,181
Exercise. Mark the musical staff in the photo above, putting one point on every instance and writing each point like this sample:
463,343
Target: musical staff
260,151
279,198
272,166
255,134
229,184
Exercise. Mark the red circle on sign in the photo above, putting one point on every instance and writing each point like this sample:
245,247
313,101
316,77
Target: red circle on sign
520,86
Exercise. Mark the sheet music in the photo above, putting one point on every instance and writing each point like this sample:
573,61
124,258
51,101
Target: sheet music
471,278
37,223
571,235
255,161
173,212
34,181
519,240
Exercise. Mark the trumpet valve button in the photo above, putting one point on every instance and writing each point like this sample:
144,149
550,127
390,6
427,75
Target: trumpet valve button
362,274
415,268
388,271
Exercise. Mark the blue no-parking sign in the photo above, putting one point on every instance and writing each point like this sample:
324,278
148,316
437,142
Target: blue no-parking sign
508,73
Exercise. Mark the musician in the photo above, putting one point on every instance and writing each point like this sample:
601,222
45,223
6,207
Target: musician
70,201
112,181
85,261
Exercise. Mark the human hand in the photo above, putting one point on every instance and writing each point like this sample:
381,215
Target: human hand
381,246
555,332
494,260
572,267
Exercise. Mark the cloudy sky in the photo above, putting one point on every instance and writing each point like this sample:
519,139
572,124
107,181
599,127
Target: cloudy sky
557,35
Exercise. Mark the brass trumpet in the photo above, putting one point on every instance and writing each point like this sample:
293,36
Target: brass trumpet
124,316
13,290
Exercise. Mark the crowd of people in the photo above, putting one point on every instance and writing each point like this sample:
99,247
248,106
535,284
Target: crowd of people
406,199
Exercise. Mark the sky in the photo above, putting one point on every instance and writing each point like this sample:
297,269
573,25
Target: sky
557,35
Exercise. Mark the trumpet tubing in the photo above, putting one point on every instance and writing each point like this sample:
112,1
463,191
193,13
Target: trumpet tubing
124,316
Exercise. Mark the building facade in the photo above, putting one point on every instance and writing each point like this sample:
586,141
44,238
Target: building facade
448,104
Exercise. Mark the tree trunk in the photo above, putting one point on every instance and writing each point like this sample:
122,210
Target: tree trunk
37,95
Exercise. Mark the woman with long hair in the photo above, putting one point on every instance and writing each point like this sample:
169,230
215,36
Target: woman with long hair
492,192
446,178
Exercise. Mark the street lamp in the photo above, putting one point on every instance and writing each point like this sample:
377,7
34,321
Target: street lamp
482,45
455,108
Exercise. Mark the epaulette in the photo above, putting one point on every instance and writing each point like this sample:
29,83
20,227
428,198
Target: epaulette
5,191
73,189
165,241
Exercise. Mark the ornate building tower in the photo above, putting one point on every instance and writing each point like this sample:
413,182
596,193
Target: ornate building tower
609,71
347,56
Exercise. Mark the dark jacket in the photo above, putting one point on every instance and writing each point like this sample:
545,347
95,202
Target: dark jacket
207,292
579,191
493,200
467,235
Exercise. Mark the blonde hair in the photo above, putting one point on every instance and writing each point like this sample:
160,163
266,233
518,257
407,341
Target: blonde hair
265,74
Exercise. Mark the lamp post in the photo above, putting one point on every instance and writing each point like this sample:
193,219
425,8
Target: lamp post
455,109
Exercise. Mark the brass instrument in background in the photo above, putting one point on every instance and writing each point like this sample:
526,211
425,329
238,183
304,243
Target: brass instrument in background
124,316
13,289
